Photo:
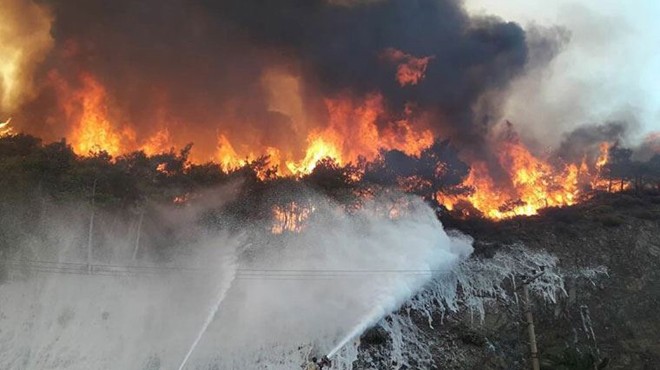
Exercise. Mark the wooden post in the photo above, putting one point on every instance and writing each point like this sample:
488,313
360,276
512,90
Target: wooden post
534,352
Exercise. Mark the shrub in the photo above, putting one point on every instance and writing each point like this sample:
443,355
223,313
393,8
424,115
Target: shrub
610,220
646,215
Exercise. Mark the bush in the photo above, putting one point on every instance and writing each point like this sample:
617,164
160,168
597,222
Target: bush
610,220
626,200
567,215
375,336
646,215
572,359
602,210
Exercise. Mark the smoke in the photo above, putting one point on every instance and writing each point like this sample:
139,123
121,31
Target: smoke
585,140
602,71
329,279
198,67
284,296
124,314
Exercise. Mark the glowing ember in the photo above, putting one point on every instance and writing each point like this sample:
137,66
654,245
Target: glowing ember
181,199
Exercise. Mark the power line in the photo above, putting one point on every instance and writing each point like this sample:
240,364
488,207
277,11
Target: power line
241,273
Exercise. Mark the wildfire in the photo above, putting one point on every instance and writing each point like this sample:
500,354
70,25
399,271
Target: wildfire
410,70
87,108
317,150
161,142
603,156
353,130
535,184
5,129
289,218
25,39
598,181
227,156
95,131
353,133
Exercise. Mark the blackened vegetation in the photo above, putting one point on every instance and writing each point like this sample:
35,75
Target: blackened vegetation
622,169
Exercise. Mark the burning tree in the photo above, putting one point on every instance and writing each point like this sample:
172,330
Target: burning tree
437,170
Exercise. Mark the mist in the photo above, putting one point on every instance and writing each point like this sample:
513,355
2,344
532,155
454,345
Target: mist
274,300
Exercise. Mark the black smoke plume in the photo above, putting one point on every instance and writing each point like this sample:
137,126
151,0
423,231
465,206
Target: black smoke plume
204,60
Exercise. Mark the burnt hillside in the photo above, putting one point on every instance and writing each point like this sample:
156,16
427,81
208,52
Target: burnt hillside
604,321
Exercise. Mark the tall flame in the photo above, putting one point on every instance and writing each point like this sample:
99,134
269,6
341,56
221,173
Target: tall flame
351,130
24,42
5,129
94,130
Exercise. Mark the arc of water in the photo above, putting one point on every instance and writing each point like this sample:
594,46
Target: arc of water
371,318
222,292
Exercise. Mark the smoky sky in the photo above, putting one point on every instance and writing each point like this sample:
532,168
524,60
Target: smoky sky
204,59
587,138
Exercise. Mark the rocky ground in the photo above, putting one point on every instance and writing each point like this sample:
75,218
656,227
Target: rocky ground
604,321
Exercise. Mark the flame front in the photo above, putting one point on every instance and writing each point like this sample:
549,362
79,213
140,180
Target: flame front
352,130
355,130
5,128
94,131
535,184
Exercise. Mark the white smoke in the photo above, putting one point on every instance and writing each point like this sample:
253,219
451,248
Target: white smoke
605,71
327,284
283,298
62,318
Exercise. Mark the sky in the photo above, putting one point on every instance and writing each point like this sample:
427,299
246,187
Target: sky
608,70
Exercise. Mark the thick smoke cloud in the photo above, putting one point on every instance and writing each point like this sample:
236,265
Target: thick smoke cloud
587,139
204,60
606,70
271,301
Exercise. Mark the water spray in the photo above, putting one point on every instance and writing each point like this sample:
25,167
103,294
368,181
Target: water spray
209,319
370,319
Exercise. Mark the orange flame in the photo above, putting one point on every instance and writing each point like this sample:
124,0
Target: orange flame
603,157
160,142
352,132
410,69
5,129
289,218
352,129
535,184
87,108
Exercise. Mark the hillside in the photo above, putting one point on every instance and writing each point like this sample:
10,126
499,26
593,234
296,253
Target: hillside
608,320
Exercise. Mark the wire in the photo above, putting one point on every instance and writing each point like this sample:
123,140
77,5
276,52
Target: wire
241,273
